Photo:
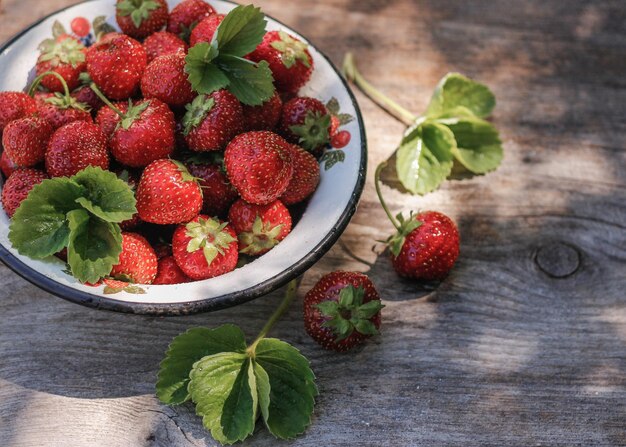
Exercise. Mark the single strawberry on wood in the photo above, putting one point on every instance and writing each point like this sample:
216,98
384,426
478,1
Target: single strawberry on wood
342,310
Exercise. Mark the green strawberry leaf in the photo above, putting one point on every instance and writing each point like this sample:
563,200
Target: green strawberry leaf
213,379
204,76
252,83
479,148
241,31
94,246
456,90
424,158
186,349
107,196
39,226
292,388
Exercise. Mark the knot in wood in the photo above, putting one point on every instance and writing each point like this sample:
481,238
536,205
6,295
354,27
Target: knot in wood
558,259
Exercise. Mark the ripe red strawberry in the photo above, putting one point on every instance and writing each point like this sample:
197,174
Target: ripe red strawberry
132,179
116,64
288,58
7,166
259,166
75,146
205,248
306,176
140,18
15,105
60,110
169,272
107,119
163,43
166,80
342,310
186,15
425,247
212,121
217,192
145,134
306,122
138,262
265,116
17,187
25,140
65,56
259,227
204,30
84,94
168,194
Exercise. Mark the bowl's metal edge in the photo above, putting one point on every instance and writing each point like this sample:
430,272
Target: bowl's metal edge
208,304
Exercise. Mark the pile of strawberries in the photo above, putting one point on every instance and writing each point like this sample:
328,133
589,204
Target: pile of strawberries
213,178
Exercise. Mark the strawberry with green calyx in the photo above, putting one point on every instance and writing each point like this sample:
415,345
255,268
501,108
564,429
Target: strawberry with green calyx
17,187
288,58
116,63
144,132
137,263
168,194
74,147
425,246
212,121
59,109
169,272
221,64
25,140
259,166
186,15
305,178
259,228
162,43
205,248
306,122
342,310
140,18
65,56
15,105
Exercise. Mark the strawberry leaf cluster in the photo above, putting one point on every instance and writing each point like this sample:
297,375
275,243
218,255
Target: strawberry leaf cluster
233,384
80,213
453,129
221,64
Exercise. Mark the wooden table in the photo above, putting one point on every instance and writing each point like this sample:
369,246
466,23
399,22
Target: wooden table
523,344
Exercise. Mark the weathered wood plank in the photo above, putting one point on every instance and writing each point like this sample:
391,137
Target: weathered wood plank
522,345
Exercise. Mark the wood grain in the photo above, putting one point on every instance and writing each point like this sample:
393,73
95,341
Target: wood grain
524,343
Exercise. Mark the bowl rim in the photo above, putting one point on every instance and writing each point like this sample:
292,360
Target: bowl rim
207,304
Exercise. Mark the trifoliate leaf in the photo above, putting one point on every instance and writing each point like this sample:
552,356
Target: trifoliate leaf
241,31
94,246
252,83
107,196
479,148
213,379
292,388
186,349
424,158
203,75
39,226
456,90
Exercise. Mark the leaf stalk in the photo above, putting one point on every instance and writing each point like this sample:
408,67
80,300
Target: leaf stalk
379,193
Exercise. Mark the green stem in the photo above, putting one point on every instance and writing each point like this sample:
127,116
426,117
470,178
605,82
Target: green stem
37,81
105,100
352,74
379,169
290,293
